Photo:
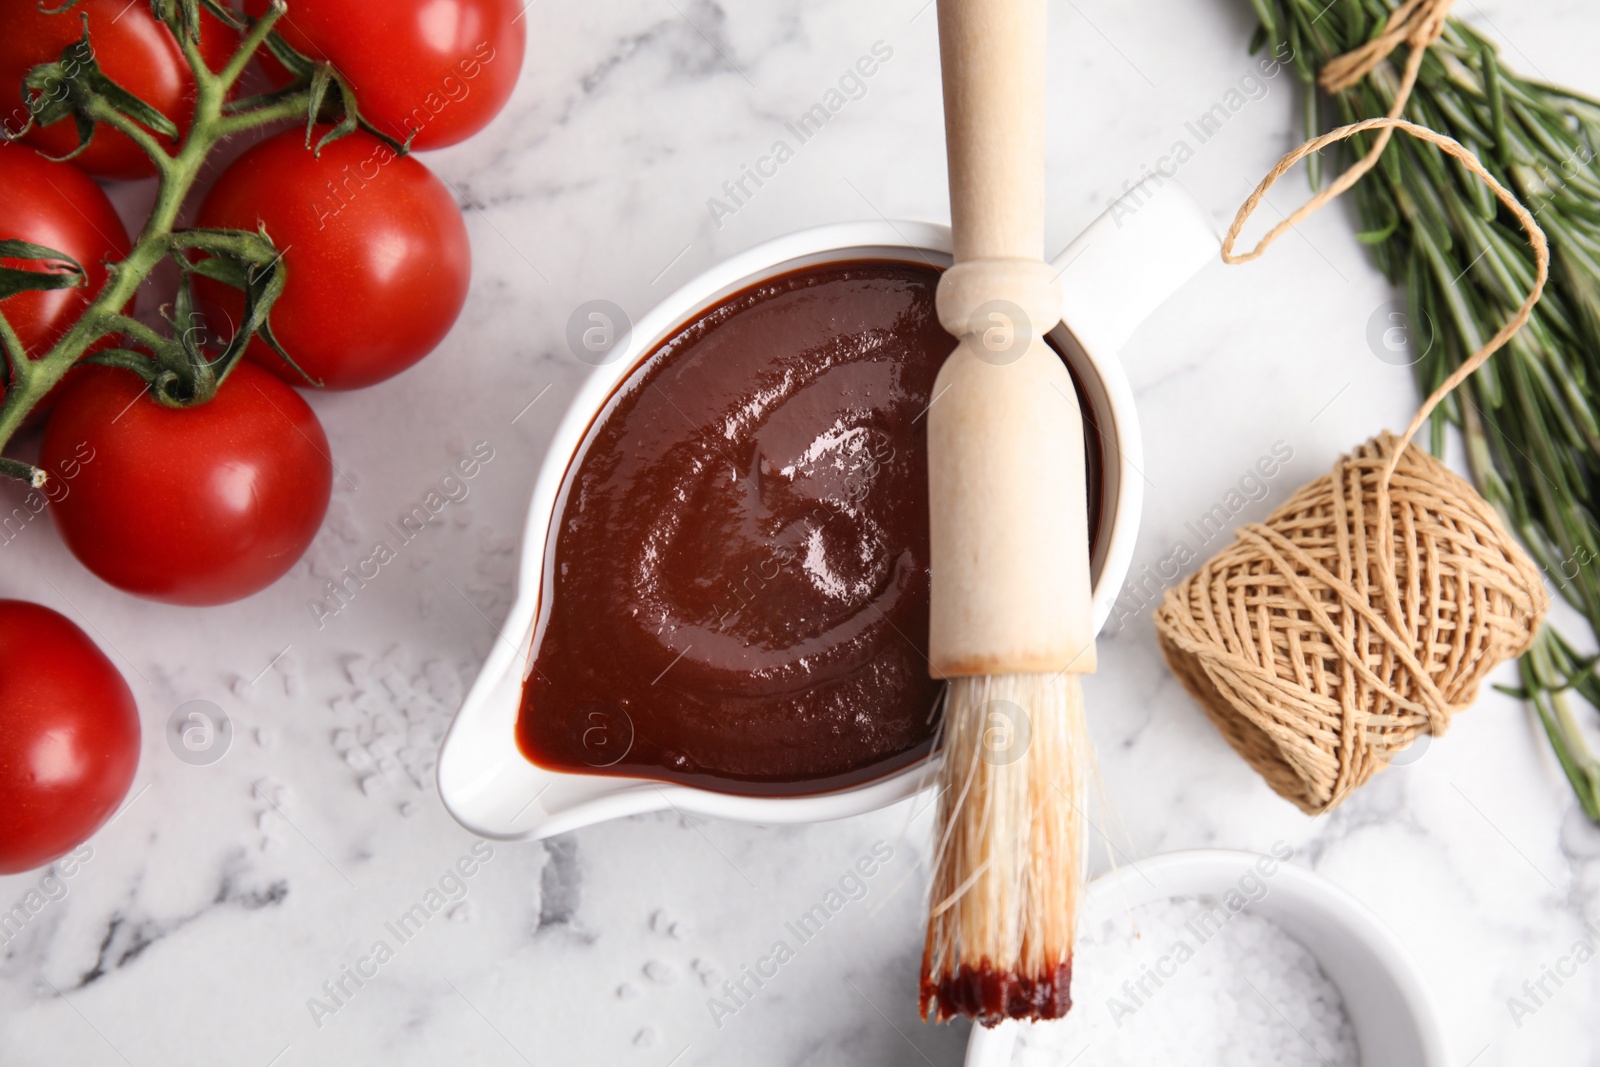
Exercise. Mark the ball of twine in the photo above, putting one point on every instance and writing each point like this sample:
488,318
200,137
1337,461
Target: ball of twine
1365,610
1371,605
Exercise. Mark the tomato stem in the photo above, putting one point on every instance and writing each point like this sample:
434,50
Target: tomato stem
25,472
289,107
31,380
16,355
101,111
253,40
135,330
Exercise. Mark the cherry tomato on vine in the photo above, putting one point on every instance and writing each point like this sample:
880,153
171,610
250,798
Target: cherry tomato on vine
58,206
443,68
377,256
69,736
131,48
201,505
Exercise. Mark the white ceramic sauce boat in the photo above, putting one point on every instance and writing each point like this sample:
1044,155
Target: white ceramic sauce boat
1113,275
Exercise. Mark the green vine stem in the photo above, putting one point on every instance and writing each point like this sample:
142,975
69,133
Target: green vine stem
181,373
32,379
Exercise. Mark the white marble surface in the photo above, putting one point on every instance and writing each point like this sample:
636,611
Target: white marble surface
224,896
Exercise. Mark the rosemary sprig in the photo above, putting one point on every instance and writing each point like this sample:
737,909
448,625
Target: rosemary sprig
1528,418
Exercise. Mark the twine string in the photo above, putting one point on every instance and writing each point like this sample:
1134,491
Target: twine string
1298,640
1416,23
1451,147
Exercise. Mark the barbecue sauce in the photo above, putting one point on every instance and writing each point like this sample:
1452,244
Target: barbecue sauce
736,590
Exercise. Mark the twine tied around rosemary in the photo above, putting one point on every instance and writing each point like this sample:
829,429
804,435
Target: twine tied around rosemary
1371,605
1417,23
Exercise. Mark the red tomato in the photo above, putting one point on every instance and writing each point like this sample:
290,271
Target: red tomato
132,49
69,736
60,207
443,68
376,251
203,505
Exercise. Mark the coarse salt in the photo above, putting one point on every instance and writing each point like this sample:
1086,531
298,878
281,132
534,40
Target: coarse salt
1188,981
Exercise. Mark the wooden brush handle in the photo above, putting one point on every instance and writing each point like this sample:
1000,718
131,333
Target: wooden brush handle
1007,486
992,55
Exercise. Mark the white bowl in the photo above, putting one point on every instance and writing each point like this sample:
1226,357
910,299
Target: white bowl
1113,275
1395,1022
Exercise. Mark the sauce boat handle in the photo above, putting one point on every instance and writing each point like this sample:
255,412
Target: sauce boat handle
1139,252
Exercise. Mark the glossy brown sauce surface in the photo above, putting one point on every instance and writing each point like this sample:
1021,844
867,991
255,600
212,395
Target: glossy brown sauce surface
737,591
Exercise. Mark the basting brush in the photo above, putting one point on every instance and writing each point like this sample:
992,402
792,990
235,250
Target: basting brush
1011,624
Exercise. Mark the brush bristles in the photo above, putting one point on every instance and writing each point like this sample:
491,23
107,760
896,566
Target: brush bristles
1009,856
